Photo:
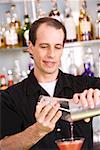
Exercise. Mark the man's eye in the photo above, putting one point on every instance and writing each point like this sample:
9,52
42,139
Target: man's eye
58,47
43,46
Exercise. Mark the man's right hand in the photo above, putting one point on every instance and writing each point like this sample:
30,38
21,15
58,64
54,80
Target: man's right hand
47,114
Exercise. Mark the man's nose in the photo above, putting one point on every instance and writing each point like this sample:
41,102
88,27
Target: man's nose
51,52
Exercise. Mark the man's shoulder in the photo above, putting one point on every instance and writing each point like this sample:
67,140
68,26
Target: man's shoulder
17,89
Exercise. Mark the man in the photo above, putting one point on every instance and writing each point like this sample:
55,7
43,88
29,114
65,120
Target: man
29,124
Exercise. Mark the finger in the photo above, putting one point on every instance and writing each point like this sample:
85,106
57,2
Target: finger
76,98
90,98
96,97
83,99
52,112
56,117
50,125
45,111
39,107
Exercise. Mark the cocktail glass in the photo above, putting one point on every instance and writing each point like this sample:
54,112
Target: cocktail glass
69,144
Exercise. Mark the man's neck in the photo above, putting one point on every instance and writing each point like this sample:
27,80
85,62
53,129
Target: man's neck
43,77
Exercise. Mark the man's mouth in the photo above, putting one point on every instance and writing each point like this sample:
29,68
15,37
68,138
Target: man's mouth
49,63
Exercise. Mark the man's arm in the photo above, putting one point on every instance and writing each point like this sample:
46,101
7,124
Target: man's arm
46,116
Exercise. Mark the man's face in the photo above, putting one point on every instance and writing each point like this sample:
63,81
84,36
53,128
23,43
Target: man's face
48,49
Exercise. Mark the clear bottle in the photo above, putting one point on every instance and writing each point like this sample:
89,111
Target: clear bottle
14,16
16,72
40,12
17,23
54,13
99,64
10,78
13,35
7,29
30,65
89,65
69,23
97,25
85,25
73,69
2,37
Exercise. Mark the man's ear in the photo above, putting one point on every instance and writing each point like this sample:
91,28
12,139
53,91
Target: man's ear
30,47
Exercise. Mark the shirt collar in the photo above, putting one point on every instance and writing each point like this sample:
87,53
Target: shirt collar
62,82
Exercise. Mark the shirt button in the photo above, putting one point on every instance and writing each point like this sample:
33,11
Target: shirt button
58,129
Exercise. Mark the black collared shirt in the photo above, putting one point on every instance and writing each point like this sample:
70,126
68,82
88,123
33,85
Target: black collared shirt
18,105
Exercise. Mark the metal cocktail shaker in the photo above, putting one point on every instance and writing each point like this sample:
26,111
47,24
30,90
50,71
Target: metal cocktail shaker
77,112
70,111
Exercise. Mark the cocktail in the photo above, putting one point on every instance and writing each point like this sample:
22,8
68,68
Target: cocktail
67,115
69,144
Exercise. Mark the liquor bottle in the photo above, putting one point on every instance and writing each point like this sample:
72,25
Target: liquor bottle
40,12
25,30
89,65
16,71
16,22
10,78
98,22
69,23
85,25
2,36
98,64
7,29
23,75
11,36
14,16
30,65
54,13
87,70
3,85
73,69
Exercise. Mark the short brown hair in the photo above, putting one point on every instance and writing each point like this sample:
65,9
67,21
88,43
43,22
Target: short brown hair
49,21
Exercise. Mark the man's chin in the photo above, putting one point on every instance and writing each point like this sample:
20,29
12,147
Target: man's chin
51,71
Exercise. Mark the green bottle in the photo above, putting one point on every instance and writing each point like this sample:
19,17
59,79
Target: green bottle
25,30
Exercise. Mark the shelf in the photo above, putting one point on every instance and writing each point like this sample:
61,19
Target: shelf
9,1
83,44
67,45
24,49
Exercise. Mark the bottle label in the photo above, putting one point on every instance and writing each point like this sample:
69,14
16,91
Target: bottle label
98,30
14,37
26,36
70,28
56,17
11,37
26,20
85,26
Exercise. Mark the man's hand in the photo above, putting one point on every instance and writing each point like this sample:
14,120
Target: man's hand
47,114
88,98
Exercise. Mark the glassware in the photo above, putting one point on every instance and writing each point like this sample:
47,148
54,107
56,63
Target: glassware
96,128
97,24
69,23
54,12
85,25
69,144
73,69
25,30
70,111
89,63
